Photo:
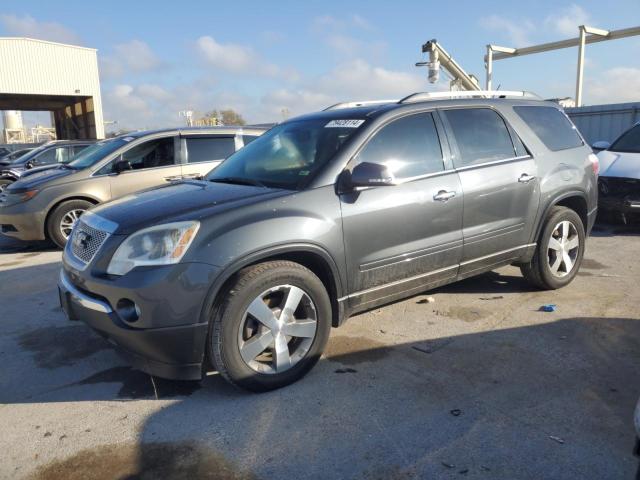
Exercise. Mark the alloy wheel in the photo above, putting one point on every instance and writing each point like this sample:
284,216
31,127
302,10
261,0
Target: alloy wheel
69,220
564,246
277,329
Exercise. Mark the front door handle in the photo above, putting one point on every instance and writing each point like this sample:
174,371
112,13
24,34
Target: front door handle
444,196
196,176
524,178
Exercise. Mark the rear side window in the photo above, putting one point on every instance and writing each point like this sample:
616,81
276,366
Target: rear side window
409,147
481,136
551,126
208,149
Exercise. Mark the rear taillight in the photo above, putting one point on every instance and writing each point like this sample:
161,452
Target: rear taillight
595,163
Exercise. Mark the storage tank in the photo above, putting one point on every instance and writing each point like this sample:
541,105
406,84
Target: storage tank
12,119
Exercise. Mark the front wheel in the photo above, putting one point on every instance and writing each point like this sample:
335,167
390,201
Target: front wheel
559,252
271,326
63,218
4,183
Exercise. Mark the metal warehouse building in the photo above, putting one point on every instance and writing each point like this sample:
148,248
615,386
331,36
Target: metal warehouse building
38,75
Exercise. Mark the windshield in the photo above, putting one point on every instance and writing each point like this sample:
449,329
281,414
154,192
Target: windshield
288,155
29,155
629,141
96,152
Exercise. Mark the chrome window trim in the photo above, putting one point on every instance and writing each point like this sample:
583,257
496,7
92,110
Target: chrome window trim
494,162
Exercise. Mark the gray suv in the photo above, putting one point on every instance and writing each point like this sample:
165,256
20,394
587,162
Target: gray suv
326,215
46,204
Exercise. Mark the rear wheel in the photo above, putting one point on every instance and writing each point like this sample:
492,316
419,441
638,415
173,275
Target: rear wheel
559,251
271,327
63,218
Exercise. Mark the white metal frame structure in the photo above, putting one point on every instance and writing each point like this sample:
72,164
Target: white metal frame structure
438,57
586,35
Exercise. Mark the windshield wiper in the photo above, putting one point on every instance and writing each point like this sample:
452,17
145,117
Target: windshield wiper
239,181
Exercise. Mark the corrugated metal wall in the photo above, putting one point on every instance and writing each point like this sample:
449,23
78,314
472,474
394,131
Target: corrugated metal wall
36,67
604,122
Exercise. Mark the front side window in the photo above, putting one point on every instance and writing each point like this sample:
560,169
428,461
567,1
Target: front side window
408,147
151,154
550,125
96,152
287,156
53,155
629,141
209,149
481,136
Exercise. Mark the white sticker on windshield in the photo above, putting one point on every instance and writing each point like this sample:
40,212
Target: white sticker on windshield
344,124
128,139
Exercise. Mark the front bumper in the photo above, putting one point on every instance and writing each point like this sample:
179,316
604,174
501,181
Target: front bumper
168,339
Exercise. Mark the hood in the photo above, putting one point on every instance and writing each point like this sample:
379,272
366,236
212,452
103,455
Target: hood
39,176
189,200
619,164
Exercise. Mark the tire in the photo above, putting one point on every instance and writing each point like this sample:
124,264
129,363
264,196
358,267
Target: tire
540,271
4,183
65,212
235,331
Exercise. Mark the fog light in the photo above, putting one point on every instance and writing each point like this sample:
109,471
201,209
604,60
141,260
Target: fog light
128,310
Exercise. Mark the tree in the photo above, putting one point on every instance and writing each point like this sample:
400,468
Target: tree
231,117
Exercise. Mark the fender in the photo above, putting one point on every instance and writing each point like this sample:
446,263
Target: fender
553,202
254,257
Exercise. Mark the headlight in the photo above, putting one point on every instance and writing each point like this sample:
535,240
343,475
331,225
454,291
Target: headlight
159,245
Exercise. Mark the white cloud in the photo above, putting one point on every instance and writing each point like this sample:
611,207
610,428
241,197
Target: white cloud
615,85
231,57
517,32
567,21
133,56
27,26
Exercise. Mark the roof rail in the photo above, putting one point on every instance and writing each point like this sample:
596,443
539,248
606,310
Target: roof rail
365,103
423,96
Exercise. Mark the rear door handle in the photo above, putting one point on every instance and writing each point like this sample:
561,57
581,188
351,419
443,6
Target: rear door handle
173,178
524,178
444,196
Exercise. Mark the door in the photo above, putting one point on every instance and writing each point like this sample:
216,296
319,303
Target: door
405,237
204,153
500,186
152,162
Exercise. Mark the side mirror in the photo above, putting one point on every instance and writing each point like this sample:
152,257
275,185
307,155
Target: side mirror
601,145
122,165
367,174
29,164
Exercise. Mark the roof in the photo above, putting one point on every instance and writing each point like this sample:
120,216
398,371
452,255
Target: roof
200,130
375,109
27,39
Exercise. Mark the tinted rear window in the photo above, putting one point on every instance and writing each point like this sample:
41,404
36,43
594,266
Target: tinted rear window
207,149
552,127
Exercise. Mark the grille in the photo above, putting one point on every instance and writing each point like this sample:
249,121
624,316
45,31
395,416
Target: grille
86,241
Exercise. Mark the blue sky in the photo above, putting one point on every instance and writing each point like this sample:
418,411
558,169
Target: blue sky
262,57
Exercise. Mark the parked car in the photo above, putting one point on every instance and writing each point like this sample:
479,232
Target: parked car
10,157
619,181
636,422
46,204
324,216
46,156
